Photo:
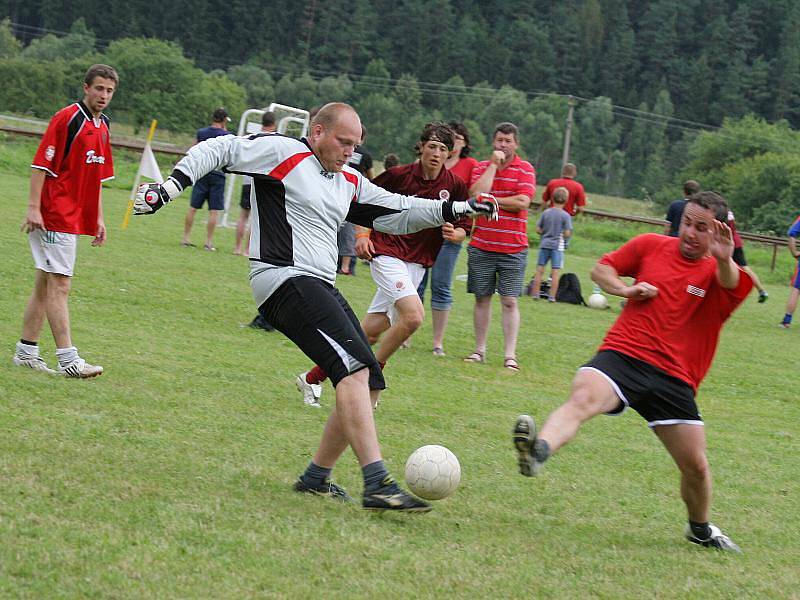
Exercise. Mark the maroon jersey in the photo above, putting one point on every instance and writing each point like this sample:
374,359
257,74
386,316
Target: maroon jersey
423,246
75,153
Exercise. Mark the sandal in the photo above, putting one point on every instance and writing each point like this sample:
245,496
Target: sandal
209,247
188,245
475,357
511,363
438,352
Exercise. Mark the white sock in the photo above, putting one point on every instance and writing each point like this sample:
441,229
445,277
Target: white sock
66,355
27,349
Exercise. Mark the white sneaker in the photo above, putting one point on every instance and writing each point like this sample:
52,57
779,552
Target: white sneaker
717,539
80,369
34,362
311,391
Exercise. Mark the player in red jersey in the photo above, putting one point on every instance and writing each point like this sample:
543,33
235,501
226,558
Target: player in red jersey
658,351
577,196
398,262
73,159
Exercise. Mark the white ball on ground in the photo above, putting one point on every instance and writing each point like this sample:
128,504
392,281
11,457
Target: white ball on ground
432,472
597,301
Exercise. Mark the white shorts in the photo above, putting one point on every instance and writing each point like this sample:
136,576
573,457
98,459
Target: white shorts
53,251
395,279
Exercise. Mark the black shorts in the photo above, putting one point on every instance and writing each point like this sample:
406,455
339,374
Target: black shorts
738,257
244,201
212,188
659,398
315,316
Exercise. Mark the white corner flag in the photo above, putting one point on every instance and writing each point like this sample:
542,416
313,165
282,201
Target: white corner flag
148,167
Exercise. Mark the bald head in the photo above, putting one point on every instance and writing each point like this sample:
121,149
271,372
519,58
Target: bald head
335,132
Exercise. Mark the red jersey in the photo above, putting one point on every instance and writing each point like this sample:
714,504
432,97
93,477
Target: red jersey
75,154
463,169
509,234
423,246
737,239
577,195
677,330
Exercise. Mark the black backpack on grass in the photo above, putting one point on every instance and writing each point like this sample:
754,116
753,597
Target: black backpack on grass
569,289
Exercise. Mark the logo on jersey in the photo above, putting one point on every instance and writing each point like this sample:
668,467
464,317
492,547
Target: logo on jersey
399,285
92,157
50,153
696,291
444,195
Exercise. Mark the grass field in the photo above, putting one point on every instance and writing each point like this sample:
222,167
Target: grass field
170,475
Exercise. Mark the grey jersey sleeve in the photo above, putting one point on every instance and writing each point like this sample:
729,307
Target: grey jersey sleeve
394,213
254,156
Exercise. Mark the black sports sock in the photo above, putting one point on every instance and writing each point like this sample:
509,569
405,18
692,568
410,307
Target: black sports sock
541,450
28,342
315,475
374,474
700,530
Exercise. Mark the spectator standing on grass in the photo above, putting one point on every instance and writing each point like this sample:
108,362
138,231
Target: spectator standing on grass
675,209
554,225
65,201
304,191
210,188
577,195
658,351
498,252
460,164
794,294
361,161
268,125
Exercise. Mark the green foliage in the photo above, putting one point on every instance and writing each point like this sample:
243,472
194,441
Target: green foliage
9,45
32,87
79,42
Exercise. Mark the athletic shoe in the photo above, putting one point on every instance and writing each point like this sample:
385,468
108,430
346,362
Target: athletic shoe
260,322
311,391
391,496
327,489
33,362
438,352
80,369
524,436
785,325
717,539
762,296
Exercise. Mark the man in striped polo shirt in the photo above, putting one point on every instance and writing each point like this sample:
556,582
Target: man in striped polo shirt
498,252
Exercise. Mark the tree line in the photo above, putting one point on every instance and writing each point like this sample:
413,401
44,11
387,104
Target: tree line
644,151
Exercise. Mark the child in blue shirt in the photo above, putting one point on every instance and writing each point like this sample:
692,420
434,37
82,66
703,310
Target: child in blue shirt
554,225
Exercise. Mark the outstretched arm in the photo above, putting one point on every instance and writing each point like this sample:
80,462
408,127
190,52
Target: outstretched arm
607,278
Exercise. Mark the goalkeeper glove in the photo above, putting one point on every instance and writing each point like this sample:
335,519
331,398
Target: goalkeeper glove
483,205
152,196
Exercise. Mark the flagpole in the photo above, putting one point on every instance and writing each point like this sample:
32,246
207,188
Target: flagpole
138,178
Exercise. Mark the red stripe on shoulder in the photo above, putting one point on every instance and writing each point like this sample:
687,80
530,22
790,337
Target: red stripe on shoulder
352,179
283,169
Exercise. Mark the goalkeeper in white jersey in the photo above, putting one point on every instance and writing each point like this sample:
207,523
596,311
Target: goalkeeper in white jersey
303,192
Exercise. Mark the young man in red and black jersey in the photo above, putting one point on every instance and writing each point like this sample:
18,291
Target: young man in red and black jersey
398,262
658,351
73,159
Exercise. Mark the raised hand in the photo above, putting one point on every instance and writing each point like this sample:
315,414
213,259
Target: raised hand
721,246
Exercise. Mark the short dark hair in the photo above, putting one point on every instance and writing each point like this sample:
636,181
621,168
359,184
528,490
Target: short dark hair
100,70
713,202
508,129
390,160
438,131
690,187
460,129
220,115
268,119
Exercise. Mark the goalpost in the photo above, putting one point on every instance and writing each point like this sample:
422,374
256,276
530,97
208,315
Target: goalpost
289,120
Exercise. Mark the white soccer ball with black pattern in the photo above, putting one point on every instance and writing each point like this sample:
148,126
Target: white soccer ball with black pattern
597,300
432,472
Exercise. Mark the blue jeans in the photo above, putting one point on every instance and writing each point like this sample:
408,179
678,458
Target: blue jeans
441,277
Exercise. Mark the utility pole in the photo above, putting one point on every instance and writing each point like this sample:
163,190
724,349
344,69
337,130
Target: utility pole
568,132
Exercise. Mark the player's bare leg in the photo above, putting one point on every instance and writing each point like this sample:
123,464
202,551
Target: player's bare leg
213,217
410,315
374,324
537,281
242,233
554,275
481,318
187,226
439,318
510,309
686,444
36,309
762,293
58,288
591,395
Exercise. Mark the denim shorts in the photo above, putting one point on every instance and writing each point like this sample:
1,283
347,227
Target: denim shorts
555,257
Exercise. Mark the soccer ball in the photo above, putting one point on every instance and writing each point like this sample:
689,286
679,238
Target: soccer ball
597,301
432,472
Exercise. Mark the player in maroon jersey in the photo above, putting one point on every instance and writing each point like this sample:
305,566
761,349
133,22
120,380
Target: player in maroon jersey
658,351
73,159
